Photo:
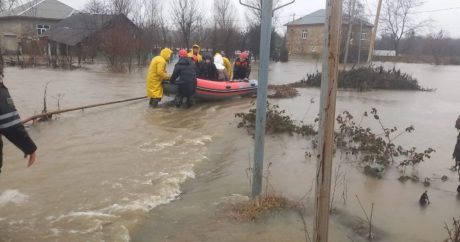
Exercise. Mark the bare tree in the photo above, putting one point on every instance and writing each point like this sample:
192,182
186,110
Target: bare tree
254,15
438,44
6,5
96,7
121,6
397,20
187,17
224,25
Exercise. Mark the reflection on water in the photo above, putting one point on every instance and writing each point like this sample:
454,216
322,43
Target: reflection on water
101,171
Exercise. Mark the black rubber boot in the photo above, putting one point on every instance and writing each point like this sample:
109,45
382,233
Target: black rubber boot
154,102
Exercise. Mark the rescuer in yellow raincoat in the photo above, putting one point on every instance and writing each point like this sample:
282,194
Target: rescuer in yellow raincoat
156,75
196,52
228,66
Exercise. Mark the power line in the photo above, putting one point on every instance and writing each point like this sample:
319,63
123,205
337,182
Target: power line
436,10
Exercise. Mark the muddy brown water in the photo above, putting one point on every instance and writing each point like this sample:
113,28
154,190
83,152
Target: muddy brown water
129,173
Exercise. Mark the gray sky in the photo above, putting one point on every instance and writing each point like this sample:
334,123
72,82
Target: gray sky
444,13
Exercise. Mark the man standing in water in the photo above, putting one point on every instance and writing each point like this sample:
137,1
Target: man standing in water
11,126
186,72
156,75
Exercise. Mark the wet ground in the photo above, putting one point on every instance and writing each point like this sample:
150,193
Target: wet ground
127,172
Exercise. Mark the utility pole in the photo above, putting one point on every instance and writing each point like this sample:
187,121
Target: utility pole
374,33
350,28
360,41
329,81
261,109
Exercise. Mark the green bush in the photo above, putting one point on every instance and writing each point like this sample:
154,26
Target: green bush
367,78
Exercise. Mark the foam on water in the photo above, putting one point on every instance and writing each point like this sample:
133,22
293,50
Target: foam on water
12,196
119,215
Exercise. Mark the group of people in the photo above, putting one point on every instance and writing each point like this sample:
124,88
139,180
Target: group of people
193,65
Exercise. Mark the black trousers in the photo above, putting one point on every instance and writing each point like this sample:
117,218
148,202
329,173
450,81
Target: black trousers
185,90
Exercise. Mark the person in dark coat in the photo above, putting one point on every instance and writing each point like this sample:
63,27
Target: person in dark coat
456,154
208,70
12,128
242,67
184,75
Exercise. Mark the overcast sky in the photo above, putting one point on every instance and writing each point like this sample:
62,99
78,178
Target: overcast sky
444,13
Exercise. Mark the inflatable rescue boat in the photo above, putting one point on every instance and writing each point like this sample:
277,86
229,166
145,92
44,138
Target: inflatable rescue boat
217,90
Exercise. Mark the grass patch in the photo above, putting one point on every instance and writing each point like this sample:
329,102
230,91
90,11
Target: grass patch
282,91
278,122
367,78
268,204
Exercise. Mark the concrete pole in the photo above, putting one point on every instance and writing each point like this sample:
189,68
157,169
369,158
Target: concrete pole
360,42
327,118
264,57
374,33
350,28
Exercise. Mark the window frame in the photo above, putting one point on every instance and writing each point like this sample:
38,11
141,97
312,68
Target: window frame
42,28
304,34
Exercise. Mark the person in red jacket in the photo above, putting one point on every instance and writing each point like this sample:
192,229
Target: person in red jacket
242,67
12,128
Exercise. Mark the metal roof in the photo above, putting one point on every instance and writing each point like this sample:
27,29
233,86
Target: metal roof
48,9
78,27
319,17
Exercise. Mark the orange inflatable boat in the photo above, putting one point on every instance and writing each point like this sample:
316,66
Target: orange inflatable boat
217,90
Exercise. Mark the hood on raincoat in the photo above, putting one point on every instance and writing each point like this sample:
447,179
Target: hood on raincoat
196,46
166,53
219,62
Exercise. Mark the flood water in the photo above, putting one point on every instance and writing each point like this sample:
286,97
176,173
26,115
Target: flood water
130,173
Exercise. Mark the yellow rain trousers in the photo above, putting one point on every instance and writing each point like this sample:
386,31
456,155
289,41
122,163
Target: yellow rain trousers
157,74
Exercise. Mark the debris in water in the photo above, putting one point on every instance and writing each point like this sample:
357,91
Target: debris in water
277,122
253,210
454,232
444,178
427,182
424,199
283,91
406,178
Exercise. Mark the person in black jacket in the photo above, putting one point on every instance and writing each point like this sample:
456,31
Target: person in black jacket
208,70
12,128
456,155
185,72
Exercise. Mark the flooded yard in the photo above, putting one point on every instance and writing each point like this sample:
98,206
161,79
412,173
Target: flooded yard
130,173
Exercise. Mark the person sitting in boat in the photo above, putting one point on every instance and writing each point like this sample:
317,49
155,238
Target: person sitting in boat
208,70
196,52
242,67
228,66
184,75
222,74
156,75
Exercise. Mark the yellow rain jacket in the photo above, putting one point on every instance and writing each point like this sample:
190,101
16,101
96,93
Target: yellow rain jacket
199,57
228,67
157,74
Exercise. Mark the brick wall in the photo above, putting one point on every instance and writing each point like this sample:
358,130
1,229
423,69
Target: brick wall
313,44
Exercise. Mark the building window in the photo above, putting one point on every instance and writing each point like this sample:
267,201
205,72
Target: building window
42,28
363,36
304,34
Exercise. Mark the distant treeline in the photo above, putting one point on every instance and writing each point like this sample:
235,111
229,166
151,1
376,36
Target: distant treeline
435,48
